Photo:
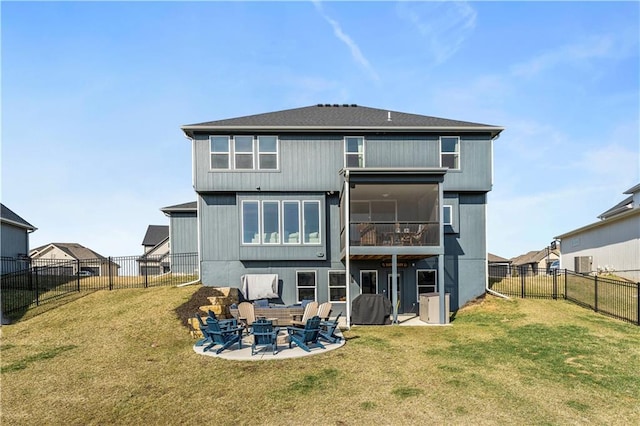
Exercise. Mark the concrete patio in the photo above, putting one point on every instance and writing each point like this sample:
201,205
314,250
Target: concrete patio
284,352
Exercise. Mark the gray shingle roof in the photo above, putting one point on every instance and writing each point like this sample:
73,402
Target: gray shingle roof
533,256
333,117
155,235
493,258
75,250
190,206
622,206
9,216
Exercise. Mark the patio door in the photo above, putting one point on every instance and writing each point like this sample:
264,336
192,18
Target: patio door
399,290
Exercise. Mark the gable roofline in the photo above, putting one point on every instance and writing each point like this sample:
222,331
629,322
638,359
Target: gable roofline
622,206
75,250
191,206
9,217
494,258
534,256
604,222
632,190
155,234
333,118
155,249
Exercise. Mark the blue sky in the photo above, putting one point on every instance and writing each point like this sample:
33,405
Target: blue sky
94,94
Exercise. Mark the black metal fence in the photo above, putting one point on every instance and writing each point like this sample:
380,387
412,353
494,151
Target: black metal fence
26,283
616,298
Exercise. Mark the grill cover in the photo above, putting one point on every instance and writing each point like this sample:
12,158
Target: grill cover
371,309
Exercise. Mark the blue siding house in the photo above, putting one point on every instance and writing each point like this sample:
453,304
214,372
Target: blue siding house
395,201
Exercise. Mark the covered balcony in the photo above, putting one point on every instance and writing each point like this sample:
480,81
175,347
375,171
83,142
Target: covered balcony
401,218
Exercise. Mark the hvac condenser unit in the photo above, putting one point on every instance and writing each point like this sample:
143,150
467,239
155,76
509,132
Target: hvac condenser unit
582,264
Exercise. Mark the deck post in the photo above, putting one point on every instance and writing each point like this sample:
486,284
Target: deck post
394,286
347,245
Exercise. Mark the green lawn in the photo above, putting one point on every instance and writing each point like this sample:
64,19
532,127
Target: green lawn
615,296
122,357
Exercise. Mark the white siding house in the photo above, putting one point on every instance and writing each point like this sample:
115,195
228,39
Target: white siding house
609,245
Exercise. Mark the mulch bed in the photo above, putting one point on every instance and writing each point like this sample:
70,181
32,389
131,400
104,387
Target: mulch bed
192,306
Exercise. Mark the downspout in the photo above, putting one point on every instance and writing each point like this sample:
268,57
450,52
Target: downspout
347,242
486,263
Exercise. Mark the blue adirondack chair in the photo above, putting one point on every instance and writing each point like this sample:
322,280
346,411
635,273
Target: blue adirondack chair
224,324
327,330
225,337
303,337
264,334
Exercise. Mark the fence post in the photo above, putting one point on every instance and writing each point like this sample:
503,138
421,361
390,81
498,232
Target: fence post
37,288
109,270
638,302
146,273
32,270
555,284
565,285
78,273
522,284
595,294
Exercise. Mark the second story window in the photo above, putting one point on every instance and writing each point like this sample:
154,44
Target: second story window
220,152
268,152
244,153
450,152
354,151
243,149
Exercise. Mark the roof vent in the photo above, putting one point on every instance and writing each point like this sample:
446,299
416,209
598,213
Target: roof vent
319,105
336,105
345,105
388,115
354,105
327,105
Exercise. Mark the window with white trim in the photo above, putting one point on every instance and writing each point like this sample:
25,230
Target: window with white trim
281,222
368,282
354,151
268,152
426,281
446,215
311,222
337,286
220,151
243,152
250,222
270,222
306,285
291,222
450,152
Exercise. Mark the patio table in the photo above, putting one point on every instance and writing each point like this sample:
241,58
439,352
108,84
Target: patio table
280,316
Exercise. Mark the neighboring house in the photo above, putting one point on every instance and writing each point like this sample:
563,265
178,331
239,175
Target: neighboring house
498,266
155,260
610,245
14,240
536,262
183,227
396,201
70,259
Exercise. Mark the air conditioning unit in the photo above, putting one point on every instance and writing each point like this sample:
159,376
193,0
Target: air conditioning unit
582,264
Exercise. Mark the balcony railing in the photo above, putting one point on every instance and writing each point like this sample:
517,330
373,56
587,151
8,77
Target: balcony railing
395,234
